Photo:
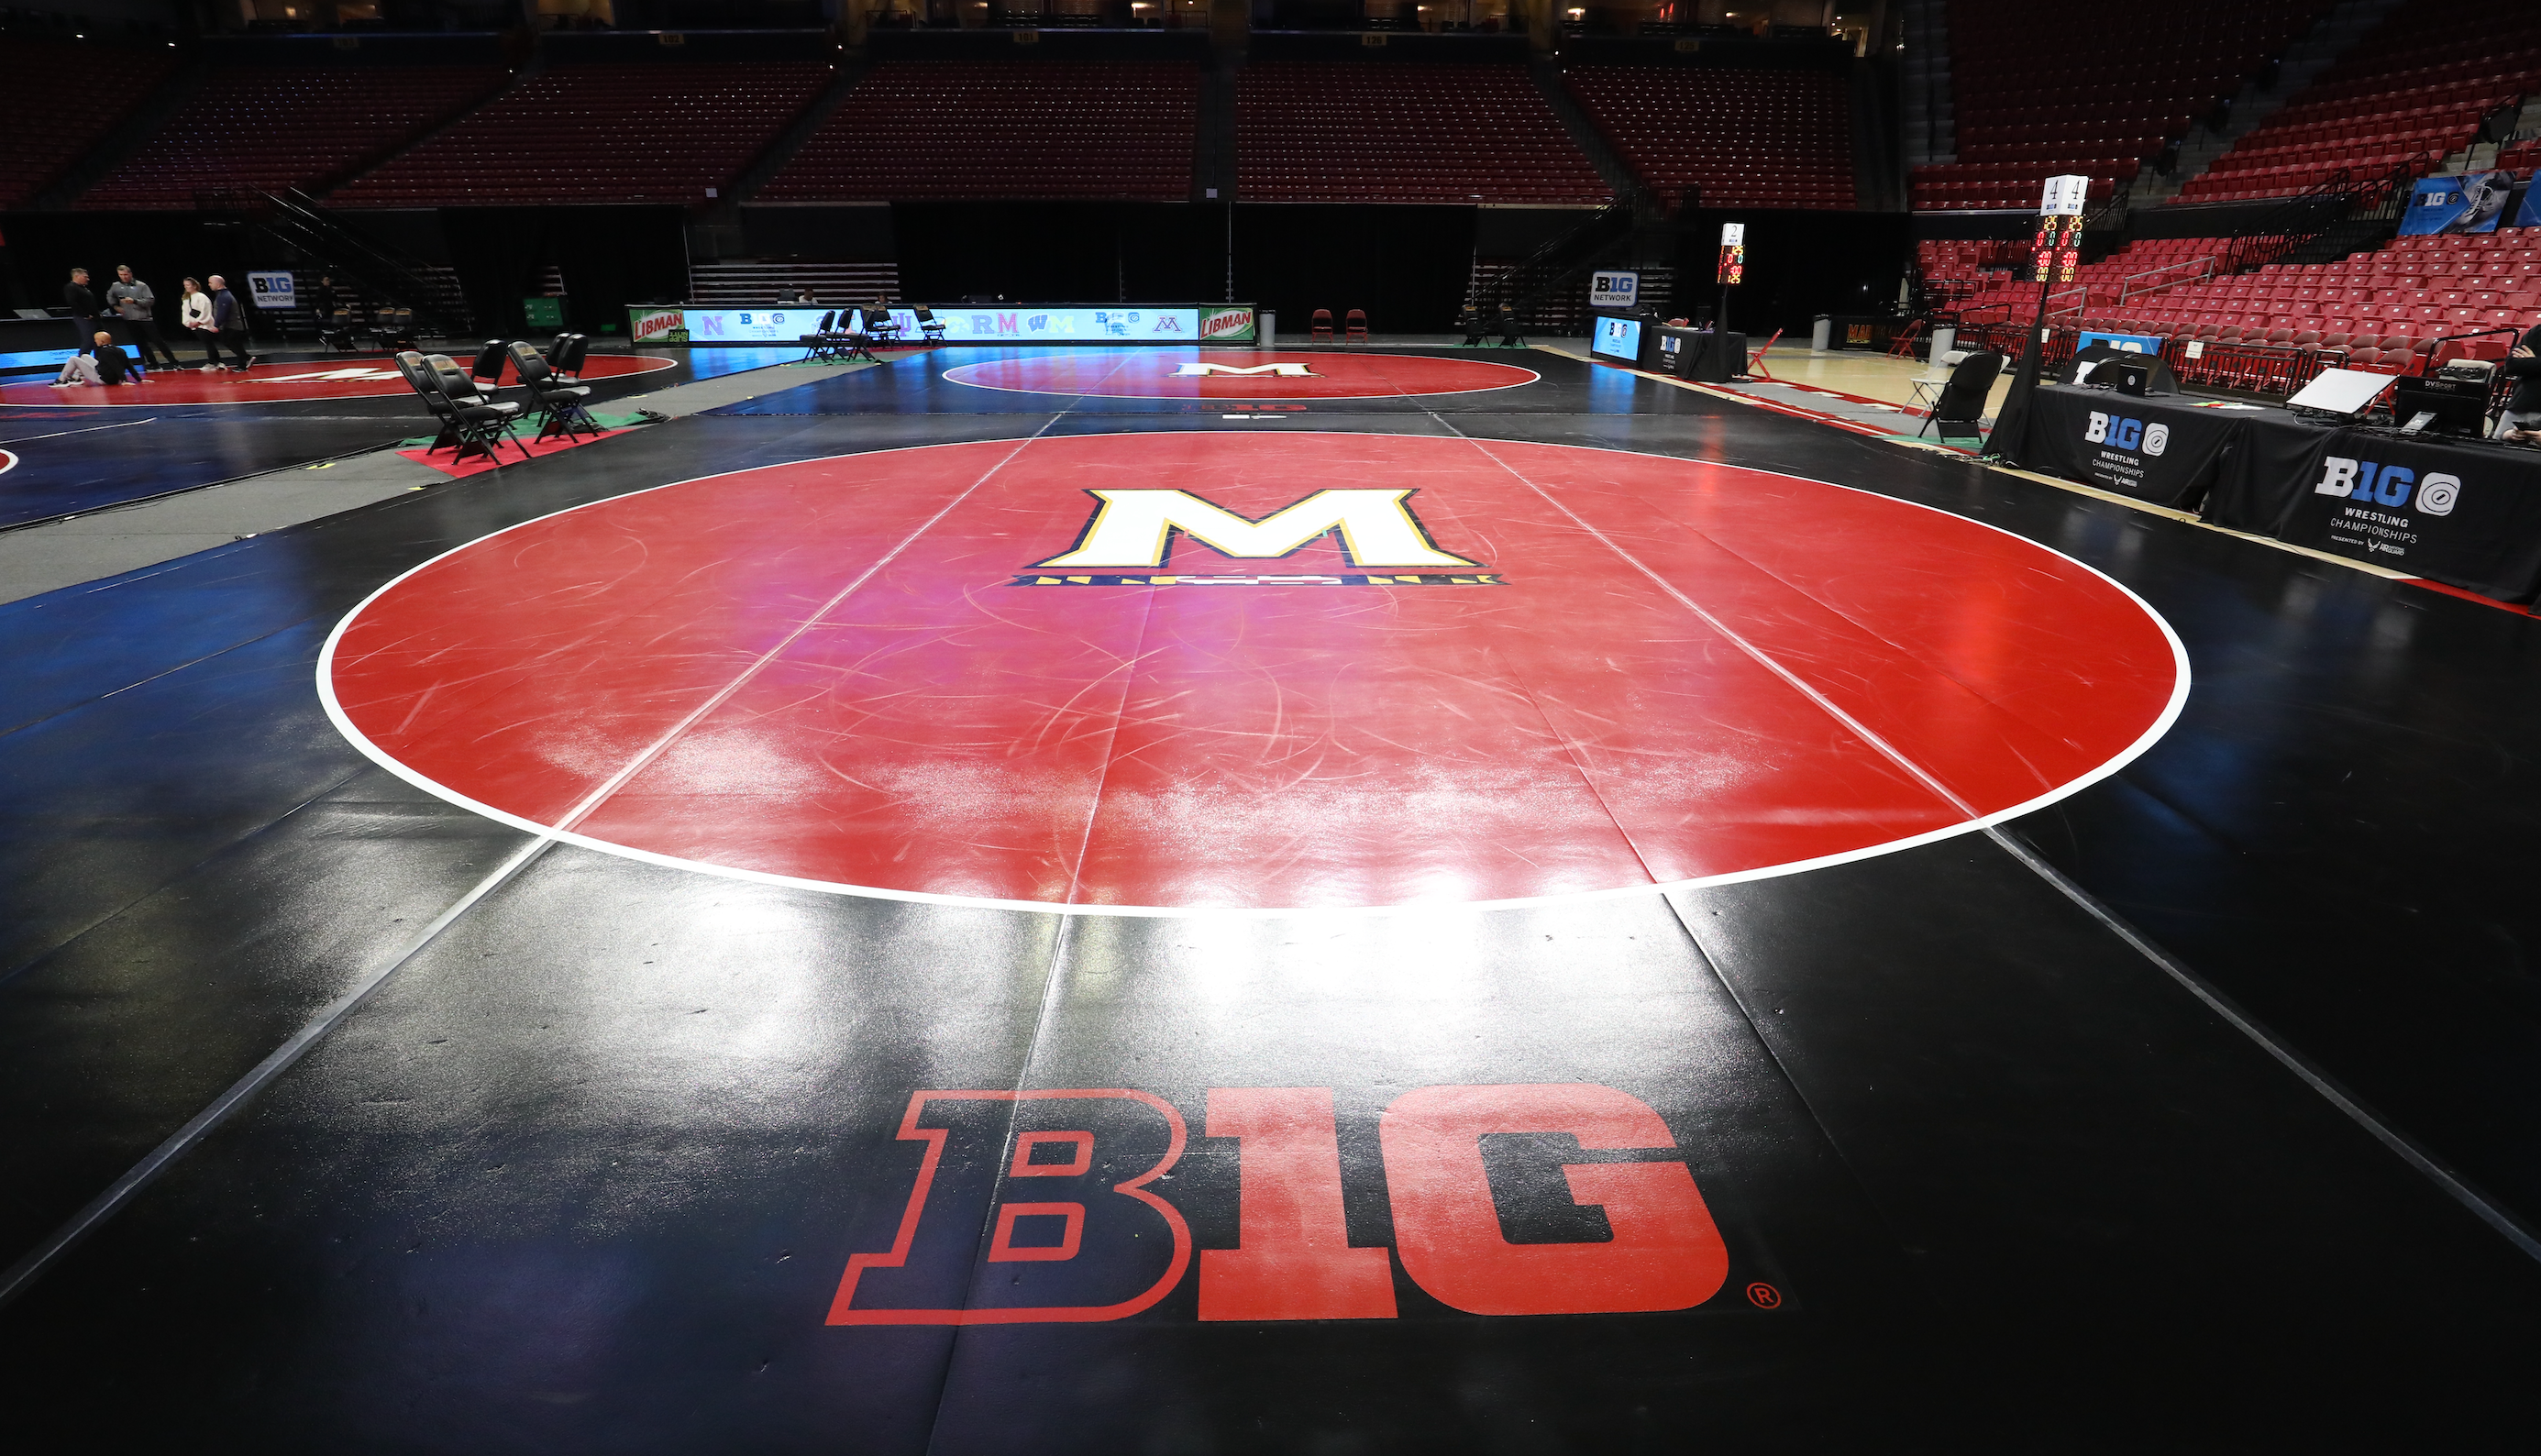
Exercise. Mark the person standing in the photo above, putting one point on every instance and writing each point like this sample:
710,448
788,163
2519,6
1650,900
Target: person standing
196,320
134,303
83,306
229,324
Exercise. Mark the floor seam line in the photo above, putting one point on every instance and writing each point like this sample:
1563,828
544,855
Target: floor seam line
11,973
21,1275
2478,1203
2405,1147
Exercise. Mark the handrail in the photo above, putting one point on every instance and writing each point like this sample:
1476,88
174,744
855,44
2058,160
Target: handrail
2205,266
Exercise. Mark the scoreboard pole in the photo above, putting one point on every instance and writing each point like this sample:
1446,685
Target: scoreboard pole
2058,255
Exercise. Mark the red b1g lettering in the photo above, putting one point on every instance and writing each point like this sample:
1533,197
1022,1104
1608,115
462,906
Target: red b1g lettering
1076,1228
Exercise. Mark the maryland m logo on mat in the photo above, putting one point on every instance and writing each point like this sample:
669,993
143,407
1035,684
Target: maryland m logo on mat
1134,531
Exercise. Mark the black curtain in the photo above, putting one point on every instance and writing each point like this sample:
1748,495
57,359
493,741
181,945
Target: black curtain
1799,264
609,257
1407,266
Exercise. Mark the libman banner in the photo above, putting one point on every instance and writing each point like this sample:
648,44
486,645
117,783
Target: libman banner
657,326
2473,203
1226,326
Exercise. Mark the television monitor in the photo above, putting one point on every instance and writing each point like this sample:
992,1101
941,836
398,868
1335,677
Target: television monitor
1615,338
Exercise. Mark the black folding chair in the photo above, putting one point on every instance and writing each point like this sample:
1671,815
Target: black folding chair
419,376
335,330
570,349
481,422
930,326
822,345
488,368
559,405
395,329
1470,319
1962,400
1509,339
880,328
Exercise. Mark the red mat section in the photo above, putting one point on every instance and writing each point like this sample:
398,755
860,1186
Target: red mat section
449,464
1240,374
272,384
1631,670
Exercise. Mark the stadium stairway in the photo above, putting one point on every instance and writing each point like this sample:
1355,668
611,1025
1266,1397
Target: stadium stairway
1213,134
122,139
1584,135
531,68
2304,60
762,170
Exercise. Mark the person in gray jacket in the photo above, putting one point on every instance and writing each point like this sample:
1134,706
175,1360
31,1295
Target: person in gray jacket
134,303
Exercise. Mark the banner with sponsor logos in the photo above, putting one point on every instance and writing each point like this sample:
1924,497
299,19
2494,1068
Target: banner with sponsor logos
2472,203
2161,451
1001,324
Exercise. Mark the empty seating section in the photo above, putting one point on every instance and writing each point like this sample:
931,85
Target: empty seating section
1734,138
2385,310
61,99
602,133
269,127
918,130
2414,89
1368,132
2097,91
1979,278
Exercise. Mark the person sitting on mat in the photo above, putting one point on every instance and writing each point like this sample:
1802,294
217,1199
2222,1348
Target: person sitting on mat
2522,422
102,364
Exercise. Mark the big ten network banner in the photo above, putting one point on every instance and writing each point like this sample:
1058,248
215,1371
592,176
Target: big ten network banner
2474,203
1063,324
272,291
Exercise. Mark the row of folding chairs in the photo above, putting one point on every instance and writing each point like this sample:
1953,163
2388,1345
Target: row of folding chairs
1353,327
831,344
474,422
389,329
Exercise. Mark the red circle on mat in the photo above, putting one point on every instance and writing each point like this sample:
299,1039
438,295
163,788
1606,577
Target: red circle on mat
274,384
848,673
1240,374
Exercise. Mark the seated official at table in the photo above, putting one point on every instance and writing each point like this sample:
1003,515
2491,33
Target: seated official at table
103,363
2522,422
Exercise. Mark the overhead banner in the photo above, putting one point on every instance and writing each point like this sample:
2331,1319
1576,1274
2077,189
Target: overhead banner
2475,204
1047,323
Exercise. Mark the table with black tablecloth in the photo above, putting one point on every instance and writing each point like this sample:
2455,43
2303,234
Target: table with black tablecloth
2466,513
2463,512
2165,449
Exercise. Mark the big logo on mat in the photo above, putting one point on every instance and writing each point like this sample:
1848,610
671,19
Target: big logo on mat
1076,1241
817,673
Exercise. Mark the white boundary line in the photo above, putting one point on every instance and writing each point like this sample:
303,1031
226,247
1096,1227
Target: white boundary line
656,362
1125,354
2151,735
9,457
121,424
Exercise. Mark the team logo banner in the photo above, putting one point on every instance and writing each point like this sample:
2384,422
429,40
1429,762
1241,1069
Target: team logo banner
2474,203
